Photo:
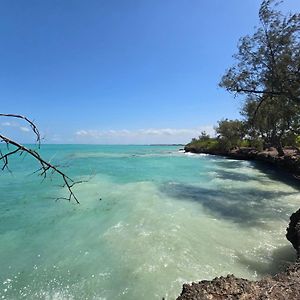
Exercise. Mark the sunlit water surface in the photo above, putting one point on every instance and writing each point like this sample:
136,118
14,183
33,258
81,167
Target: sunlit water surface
150,218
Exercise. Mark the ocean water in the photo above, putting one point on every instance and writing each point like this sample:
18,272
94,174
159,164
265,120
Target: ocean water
150,218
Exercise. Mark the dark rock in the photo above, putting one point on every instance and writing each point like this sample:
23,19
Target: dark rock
290,162
285,285
293,231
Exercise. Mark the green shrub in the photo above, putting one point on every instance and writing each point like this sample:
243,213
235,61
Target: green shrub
257,143
244,143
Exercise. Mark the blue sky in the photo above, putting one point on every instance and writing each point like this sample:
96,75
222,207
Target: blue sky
134,71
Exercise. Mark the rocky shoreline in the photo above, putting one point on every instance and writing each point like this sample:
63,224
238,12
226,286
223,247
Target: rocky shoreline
284,285
290,162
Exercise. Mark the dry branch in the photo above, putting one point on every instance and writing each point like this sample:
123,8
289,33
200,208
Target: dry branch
45,167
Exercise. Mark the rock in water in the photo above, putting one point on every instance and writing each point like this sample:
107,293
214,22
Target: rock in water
285,285
293,231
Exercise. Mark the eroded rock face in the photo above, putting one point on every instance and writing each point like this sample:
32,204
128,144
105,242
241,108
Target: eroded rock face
290,162
285,285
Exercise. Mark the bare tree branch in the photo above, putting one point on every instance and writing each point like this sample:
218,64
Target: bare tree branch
266,92
45,166
32,125
262,100
241,90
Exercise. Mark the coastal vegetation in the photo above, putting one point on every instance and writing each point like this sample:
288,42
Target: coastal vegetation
267,77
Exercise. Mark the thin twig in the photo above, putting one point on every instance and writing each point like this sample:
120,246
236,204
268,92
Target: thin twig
32,125
44,165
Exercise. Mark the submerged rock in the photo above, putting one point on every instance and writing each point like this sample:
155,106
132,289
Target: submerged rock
285,285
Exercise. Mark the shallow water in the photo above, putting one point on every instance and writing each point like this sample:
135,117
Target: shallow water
164,218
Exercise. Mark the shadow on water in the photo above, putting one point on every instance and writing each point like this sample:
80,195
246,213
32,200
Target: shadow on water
274,173
229,164
248,207
228,175
281,258
229,170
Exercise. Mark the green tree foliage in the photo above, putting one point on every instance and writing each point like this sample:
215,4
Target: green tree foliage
268,62
230,133
203,144
267,71
277,123
204,136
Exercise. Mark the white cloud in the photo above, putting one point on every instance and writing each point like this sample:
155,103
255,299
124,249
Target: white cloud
151,135
7,124
15,125
23,128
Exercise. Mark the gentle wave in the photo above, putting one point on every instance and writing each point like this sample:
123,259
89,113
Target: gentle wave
144,226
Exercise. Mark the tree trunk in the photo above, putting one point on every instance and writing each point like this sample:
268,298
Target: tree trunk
279,148
280,151
276,142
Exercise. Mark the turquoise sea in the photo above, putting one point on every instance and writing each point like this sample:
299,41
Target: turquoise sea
150,218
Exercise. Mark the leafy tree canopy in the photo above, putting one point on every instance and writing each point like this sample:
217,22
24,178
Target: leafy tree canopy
268,62
267,72
230,132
